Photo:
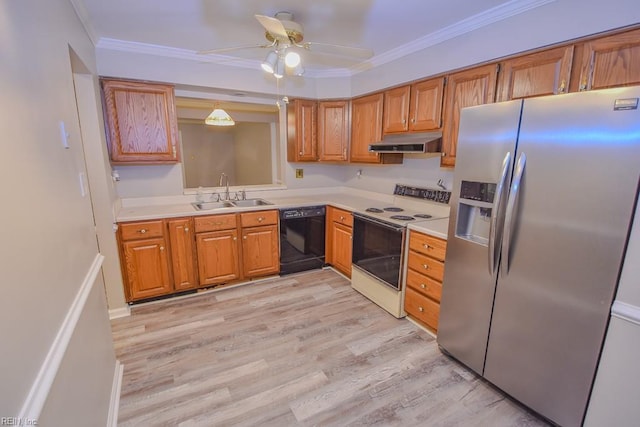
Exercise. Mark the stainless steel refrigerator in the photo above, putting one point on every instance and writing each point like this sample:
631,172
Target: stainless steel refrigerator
543,197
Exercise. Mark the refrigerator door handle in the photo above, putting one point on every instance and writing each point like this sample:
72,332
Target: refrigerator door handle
511,213
496,211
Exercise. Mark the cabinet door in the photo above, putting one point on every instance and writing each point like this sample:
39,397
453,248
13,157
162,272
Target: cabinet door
611,61
217,257
464,89
538,74
425,111
396,110
366,127
183,261
146,268
302,131
333,130
341,247
260,253
142,125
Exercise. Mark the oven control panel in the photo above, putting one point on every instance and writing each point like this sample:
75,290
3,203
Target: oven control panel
440,196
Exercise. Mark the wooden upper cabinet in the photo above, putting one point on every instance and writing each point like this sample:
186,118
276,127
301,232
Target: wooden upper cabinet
396,110
333,131
302,142
366,128
425,110
537,74
611,61
464,89
141,121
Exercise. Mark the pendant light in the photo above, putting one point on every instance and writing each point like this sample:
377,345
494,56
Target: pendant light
219,117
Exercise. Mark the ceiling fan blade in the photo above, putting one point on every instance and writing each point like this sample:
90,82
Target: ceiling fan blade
273,27
231,49
338,50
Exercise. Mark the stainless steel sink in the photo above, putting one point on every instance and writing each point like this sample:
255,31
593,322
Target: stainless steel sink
205,206
251,202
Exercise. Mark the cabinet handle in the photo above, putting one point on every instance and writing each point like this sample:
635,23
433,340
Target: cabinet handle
235,238
583,85
341,218
142,231
300,153
413,120
562,87
420,309
186,229
423,286
425,266
426,246
162,248
244,237
404,121
260,219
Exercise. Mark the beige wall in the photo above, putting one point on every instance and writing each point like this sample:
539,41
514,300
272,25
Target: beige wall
207,151
252,154
48,238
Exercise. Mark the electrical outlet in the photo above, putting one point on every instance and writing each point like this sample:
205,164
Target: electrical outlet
299,173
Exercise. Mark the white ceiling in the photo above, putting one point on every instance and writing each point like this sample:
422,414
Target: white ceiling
391,28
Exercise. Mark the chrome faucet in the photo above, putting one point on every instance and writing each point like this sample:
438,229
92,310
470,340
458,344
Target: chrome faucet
224,180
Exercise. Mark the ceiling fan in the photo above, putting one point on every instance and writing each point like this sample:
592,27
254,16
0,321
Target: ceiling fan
284,37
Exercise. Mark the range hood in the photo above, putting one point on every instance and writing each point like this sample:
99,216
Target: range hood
424,142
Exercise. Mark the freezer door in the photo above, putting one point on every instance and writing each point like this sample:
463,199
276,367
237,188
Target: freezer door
487,137
571,216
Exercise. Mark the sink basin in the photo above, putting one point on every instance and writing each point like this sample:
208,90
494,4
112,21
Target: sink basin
205,206
251,202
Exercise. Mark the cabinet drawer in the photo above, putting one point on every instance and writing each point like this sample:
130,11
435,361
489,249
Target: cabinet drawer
215,222
422,308
428,245
141,230
426,265
341,217
424,285
253,219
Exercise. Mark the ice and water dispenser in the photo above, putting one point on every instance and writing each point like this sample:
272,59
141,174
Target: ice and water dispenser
474,211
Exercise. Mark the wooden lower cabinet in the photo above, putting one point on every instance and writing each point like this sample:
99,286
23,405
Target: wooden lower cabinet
217,257
145,268
339,242
423,279
183,255
260,251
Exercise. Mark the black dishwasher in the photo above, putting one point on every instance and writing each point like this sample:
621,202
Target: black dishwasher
301,239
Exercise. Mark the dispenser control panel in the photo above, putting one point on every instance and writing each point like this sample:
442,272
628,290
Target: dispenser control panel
480,191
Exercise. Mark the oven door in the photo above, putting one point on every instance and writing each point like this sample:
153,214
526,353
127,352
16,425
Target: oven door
377,249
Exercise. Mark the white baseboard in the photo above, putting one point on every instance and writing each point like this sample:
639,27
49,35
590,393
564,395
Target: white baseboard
33,404
117,313
114,403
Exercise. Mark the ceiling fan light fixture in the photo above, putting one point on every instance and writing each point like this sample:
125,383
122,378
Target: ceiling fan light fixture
298,70
219,117
269,64
292,59
278,71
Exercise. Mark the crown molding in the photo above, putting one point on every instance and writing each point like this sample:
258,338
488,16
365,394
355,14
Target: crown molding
495,14
83,16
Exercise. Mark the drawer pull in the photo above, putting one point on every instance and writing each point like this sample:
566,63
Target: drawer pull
142,231
423,286
341,218
426,246
421,310
425,266
260,219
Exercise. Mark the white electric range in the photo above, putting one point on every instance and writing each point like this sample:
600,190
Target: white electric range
379,240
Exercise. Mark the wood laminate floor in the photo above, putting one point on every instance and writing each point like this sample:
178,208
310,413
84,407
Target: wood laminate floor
303,350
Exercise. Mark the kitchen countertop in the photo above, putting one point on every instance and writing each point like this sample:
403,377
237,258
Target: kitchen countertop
350,202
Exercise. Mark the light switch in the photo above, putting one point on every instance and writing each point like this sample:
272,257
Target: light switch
64,136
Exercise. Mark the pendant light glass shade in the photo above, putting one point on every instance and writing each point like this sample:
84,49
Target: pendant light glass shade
269,64
278,72
219,117
292,59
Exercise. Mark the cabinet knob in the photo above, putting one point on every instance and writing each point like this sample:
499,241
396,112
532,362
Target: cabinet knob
425,266
404,121
420,309
186,229
244,237
260,219
300,153
341,218
162,248
583,85
426,246
235,238
562,87
413,120
423,286
142,231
